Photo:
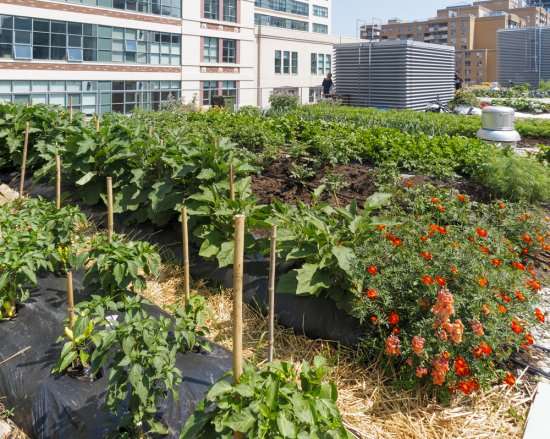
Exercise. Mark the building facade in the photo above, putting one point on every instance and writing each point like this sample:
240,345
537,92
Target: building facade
472,30
114,55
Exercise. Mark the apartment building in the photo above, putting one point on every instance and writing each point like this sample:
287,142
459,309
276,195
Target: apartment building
472,30
114,55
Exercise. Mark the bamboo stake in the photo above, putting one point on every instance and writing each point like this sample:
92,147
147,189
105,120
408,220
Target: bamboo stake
70,108
22,351
110,217
97,122
58,181
70,298
150,130
238,298
185,241
271,292
231,182
24,160
161,143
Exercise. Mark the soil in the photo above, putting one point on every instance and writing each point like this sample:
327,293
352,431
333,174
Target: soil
277,181
533,142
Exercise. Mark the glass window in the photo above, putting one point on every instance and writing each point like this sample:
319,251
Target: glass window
229,51
313,63
286,62
321,64
74,54
131,46
210,49
294,63
209,89
328,63
229,88
21,51
212,9
277,61
230,10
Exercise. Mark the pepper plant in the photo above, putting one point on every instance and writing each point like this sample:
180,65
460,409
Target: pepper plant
268,403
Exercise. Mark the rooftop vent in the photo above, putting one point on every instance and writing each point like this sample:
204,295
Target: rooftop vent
498,126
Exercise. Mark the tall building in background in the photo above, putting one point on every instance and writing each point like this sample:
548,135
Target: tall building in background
472,30
114,55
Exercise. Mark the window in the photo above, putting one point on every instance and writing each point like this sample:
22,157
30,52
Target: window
320,28
290,6
229,88
278,61
285,23
320,63
230,10
211,9
210,49
55,40
294,63
286,62
229,49
320,11
209,89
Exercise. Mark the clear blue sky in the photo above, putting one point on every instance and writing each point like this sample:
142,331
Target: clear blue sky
345,13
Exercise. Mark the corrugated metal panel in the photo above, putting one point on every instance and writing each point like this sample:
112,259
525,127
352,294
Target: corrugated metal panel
400,74
524,55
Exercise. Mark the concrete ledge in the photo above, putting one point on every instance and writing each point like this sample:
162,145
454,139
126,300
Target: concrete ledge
537,422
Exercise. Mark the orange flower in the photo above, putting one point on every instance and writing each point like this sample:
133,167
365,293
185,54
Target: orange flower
393,318
477,327
455,245
372,270
502,206
424,238
496,262
409,184
381,227
372,294
518,265
529,339
455,330
440,367
461,197
441,281
526,238
427,256
454,270
340,244
485,348
505,298
540,239
502,309
396,330
392,345
418,344
516,327
510,379
540,315
421,371
397,242
521,218
435,200
484,249
534,284
485,309
443,308
482,233
461,367
436,228
520,296
427,280
440,208
478,353
483,282
374,320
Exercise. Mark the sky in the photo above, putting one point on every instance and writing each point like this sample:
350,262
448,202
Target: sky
345,13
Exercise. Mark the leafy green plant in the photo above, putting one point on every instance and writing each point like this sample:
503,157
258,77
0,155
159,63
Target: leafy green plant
142,371
120,266
301,173
523,105
283,100
323,240
268,403
464,96
190,325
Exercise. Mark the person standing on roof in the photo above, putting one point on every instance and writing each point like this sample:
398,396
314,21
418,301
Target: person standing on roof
327,84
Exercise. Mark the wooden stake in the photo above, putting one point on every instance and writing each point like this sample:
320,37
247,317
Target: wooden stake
231,183
185,241
97,122
150,130
70,108
70,298
110,217
238,298
161,143
24,160
58,181
271,292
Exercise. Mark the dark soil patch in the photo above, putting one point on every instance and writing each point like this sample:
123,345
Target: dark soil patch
276,181
533,142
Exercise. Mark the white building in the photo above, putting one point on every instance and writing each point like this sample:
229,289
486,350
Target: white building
117,54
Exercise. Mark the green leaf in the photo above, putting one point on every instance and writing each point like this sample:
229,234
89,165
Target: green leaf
206,174
241,422
303,252
345,257
287,428
31,276
68,360
226,254
311,280
85,179
220,388
377,200
288,283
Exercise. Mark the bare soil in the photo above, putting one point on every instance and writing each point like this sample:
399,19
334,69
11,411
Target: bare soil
277,182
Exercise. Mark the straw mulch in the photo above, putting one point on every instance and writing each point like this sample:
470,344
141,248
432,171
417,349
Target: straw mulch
370,406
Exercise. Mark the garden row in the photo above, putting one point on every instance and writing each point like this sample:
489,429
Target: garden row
445,286
118,331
